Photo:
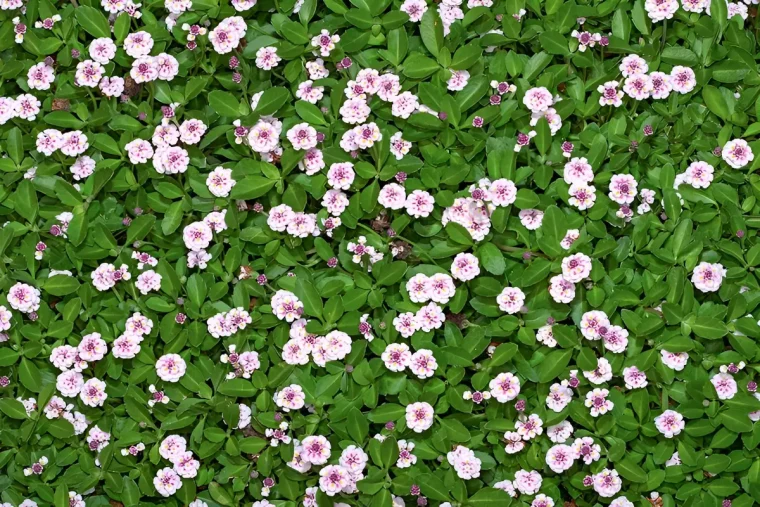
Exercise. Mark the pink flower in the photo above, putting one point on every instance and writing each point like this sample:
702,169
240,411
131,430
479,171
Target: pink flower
531,218
669,423
316,450
458,80
325,42
302,136
92,347
333,479
396,356
634,378
699,174
144,70
312,94
503,192
505,387
419,416
430,317
404,105
615,339
561,289
659,10
511,300
737,153
674,360
597,401
139,151
610,95
290,398
40,76
138,44
465,267
423,363
266,58
578,170
708,277
559,397
623,188
167,482
148,281
465,463
392,196
93,393
560,458
399,147
220,182
725,385
661,85
527,483
406,324
538,99
197,236
419,204
102,50
576,267
170,367
638,86
682,79
414,8
607,483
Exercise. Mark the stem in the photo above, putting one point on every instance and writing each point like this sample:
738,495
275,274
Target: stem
664,34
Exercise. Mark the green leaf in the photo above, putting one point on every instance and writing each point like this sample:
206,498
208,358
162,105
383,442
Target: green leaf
30,376
312,303
489,497
433,487
251,187
710,328
358,426
224,103
310,113
554,43
12,408
61,285
543,136
237,387
417,66
466,56
196,289
93,21
25,200
140,227
630,470
492,259
431,31
272,100
391,273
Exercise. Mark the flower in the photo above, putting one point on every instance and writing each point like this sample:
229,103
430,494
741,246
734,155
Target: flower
419,416
708,277
669,423
167,482
511,300
607,483
737,153
170,367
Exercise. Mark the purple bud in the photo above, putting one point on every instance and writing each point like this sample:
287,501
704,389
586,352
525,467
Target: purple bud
752,386
604,41
261,279
320,137
527,255
726,503
75,53
234,62
191,45
138,211
740,233
142,116
648,130
258,207
278,416
4,381
126,221
414,490
588,481
390,426
550,321
567,147
443,115
477,122
400,177
349,368
717,151
332,262
268,482
391,233
180,301
49,61
33,316
237,77
422,501
495,100
180,318
520,405
55,230
346,63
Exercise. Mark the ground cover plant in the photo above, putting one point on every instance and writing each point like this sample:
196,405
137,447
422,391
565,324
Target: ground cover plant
379,253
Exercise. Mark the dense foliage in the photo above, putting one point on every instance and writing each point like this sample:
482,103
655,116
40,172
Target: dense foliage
379,253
